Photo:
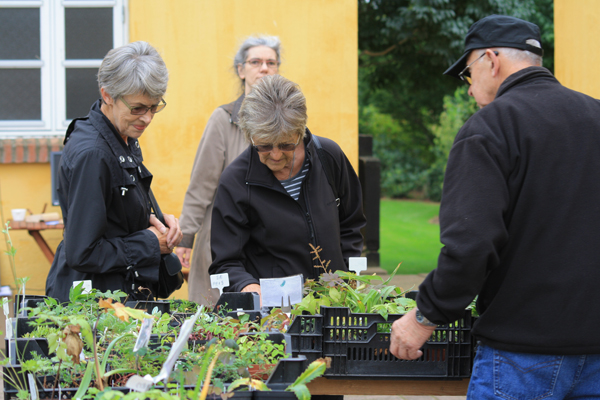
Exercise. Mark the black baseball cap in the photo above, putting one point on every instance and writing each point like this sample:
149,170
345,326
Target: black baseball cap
499,31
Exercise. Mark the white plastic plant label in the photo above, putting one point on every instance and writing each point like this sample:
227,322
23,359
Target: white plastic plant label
33,390
144,336
139,384
219,281
9,328
87,286
281,292
5,307
180,343
357,264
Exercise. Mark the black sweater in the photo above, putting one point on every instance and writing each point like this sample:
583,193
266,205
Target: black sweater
520,220
260,231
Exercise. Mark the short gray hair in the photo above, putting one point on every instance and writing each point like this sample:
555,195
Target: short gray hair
514,54
272,42
274,111
135,68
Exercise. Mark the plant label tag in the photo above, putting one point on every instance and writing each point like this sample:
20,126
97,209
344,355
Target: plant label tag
5,306
87,286
219,281
9,328
33,390
138,384
357,264
144,336
281,292
177,347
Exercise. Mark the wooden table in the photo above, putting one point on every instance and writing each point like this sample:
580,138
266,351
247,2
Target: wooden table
34,229
396,387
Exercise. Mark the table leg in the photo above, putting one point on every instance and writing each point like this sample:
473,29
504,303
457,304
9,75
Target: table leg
43,245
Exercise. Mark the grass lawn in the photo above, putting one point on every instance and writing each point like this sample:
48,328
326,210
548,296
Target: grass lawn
408,236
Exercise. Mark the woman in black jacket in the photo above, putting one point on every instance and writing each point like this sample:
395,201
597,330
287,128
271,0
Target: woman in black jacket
111,240
279,195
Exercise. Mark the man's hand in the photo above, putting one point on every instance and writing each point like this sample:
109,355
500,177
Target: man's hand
185,255
408,336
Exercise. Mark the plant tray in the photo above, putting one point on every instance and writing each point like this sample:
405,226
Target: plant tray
306,336
358,346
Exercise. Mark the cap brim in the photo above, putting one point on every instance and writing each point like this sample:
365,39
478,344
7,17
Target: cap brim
458,66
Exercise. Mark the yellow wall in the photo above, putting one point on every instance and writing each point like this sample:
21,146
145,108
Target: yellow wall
576,32
198,39
27,186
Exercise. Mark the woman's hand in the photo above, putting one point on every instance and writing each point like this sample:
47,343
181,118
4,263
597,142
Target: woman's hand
173,232
162,239
253,287
184,254
175,235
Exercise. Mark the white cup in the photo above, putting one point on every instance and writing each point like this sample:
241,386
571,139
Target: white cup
18,214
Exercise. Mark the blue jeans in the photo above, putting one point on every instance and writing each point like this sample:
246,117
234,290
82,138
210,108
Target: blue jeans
499,374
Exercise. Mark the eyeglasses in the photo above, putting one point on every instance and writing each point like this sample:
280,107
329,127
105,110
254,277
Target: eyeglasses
266,148
257,63
141,110
465,74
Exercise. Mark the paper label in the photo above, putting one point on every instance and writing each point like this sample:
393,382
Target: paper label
281,292
144,335
139,384
357,264
219,281
87,286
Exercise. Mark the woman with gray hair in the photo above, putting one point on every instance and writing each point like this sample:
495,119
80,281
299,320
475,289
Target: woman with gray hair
111,240
288,190
222,141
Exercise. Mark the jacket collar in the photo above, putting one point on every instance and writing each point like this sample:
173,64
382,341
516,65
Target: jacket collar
258,173
524,76
130,154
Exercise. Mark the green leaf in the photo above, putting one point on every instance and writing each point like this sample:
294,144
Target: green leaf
335,295
314,370
301,392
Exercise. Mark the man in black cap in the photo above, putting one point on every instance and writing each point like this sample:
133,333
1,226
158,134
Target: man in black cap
520,224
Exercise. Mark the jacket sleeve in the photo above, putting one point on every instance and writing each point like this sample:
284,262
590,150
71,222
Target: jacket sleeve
475,198
206,171
230,232
86,248
352,218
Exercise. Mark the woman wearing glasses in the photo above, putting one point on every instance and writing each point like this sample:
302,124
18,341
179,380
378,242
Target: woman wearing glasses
279,195
111,240
222,141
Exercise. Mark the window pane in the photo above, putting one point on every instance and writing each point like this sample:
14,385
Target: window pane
82,91
19,33
88,33
21,94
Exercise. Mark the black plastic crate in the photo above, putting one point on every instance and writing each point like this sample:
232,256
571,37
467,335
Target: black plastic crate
358,345
306,336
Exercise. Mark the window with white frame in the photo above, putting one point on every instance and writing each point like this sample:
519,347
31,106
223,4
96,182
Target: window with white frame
50,51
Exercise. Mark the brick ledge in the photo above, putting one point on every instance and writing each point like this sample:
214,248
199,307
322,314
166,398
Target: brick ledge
29,150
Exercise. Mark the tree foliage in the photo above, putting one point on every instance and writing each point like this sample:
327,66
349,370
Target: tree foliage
406,45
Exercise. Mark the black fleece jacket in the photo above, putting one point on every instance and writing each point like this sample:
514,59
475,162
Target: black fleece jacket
520,220
260,231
